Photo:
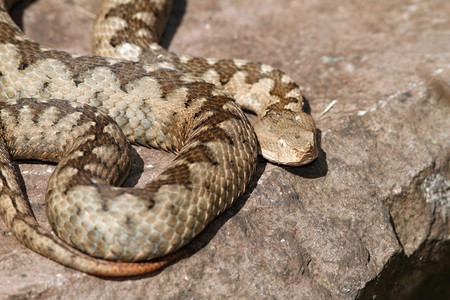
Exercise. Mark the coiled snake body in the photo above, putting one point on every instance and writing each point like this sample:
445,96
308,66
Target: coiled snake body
84,111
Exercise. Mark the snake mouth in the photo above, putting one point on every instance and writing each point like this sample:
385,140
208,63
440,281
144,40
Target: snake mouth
293,158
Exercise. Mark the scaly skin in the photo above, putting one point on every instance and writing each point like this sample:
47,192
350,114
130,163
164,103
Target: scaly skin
160,101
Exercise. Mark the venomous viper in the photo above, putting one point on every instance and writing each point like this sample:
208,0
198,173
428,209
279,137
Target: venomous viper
84,111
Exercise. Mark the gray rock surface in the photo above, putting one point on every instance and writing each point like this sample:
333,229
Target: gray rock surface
368,219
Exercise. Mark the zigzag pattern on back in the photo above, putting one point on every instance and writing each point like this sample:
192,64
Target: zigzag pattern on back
83,111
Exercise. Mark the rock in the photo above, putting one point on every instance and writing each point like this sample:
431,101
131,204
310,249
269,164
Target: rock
368,219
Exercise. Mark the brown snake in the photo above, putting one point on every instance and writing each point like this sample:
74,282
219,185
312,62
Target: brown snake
83,111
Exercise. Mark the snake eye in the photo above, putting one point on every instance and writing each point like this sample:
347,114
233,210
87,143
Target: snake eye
282,143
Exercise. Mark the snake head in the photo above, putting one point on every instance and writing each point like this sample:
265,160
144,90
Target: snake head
287,137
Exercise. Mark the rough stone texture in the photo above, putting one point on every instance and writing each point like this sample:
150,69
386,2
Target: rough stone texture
368,219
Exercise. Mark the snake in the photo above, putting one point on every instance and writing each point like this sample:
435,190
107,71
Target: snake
83,112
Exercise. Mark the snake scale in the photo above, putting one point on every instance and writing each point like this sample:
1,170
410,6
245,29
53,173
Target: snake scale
83,112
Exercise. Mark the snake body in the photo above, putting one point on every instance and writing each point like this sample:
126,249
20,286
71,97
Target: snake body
84,111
